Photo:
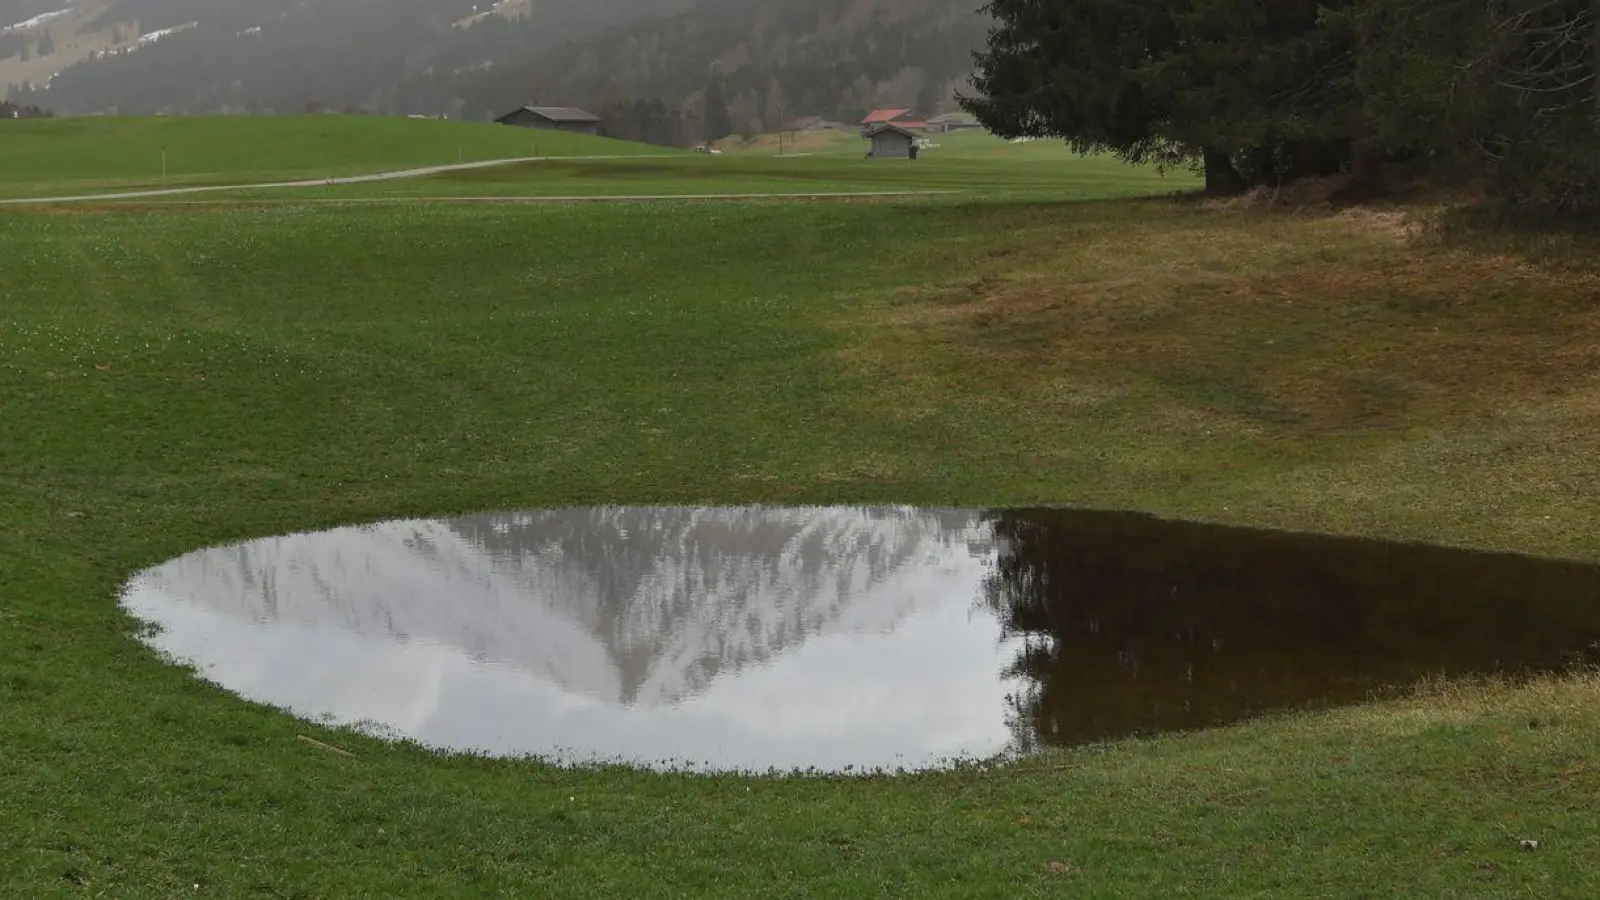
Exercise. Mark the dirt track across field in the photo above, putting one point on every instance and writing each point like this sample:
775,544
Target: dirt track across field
154,193
521,199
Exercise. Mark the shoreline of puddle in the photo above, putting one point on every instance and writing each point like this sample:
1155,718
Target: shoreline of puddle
844,639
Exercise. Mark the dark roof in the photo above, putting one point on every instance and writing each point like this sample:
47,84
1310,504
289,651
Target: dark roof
558,113
880,129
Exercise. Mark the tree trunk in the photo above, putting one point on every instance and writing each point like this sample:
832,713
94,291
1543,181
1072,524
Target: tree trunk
1222,179
1261,167
1366,161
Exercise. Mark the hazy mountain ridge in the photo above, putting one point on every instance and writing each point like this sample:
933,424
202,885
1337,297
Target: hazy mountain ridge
776,59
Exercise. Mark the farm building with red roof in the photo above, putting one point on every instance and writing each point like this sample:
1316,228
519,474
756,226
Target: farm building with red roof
903,118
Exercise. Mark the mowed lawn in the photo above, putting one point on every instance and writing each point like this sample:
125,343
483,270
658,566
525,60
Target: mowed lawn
177,377
1057,176
56,157
1063,177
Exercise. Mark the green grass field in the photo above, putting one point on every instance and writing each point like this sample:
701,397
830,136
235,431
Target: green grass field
54,157
174,377
75,157
1074,178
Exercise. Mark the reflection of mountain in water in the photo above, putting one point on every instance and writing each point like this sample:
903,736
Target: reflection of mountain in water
1137,625
634,605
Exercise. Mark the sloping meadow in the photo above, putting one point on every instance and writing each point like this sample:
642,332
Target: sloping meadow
172,378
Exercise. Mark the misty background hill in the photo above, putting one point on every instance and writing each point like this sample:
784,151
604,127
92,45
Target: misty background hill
773,60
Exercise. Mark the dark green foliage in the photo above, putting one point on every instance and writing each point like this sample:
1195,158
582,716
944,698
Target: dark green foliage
14,111
718,125
930,99
1265,91
1261,81
1504,90
644,121
1252,90
1062,70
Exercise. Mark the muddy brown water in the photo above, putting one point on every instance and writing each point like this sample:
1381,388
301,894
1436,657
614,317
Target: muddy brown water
840,639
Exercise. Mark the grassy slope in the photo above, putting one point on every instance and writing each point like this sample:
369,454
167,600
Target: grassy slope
44,158
969,164
1060,178
171,379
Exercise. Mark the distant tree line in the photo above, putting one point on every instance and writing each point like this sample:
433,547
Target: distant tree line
15,111
646,121
17,43
1259,92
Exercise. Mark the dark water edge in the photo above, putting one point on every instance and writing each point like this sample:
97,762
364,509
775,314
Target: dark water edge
1143,625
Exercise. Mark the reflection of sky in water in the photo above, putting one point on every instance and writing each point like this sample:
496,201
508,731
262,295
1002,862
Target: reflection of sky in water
805,655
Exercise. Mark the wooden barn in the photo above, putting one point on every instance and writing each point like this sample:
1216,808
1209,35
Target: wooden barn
553,118
904,118
892,142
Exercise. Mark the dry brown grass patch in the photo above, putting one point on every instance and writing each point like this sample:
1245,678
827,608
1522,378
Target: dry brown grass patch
1335,323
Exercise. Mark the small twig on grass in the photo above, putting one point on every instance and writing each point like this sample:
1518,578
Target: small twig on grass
328,747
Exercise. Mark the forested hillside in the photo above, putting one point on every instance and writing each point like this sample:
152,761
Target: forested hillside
769,61
12,111
644,62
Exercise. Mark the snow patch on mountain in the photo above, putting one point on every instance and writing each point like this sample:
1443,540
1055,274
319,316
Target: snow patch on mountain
37,21
164,33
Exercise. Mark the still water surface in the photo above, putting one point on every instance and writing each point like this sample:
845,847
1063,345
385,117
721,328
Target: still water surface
839,638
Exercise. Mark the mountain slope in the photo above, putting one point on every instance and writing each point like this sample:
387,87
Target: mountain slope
776,59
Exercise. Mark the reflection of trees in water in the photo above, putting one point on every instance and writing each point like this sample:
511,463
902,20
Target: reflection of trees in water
1135,624
622,549
694,591
632,605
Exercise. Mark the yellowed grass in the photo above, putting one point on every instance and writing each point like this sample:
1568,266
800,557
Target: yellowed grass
1330,372
1335,323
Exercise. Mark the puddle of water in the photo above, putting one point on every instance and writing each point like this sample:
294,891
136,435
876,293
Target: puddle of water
839,639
